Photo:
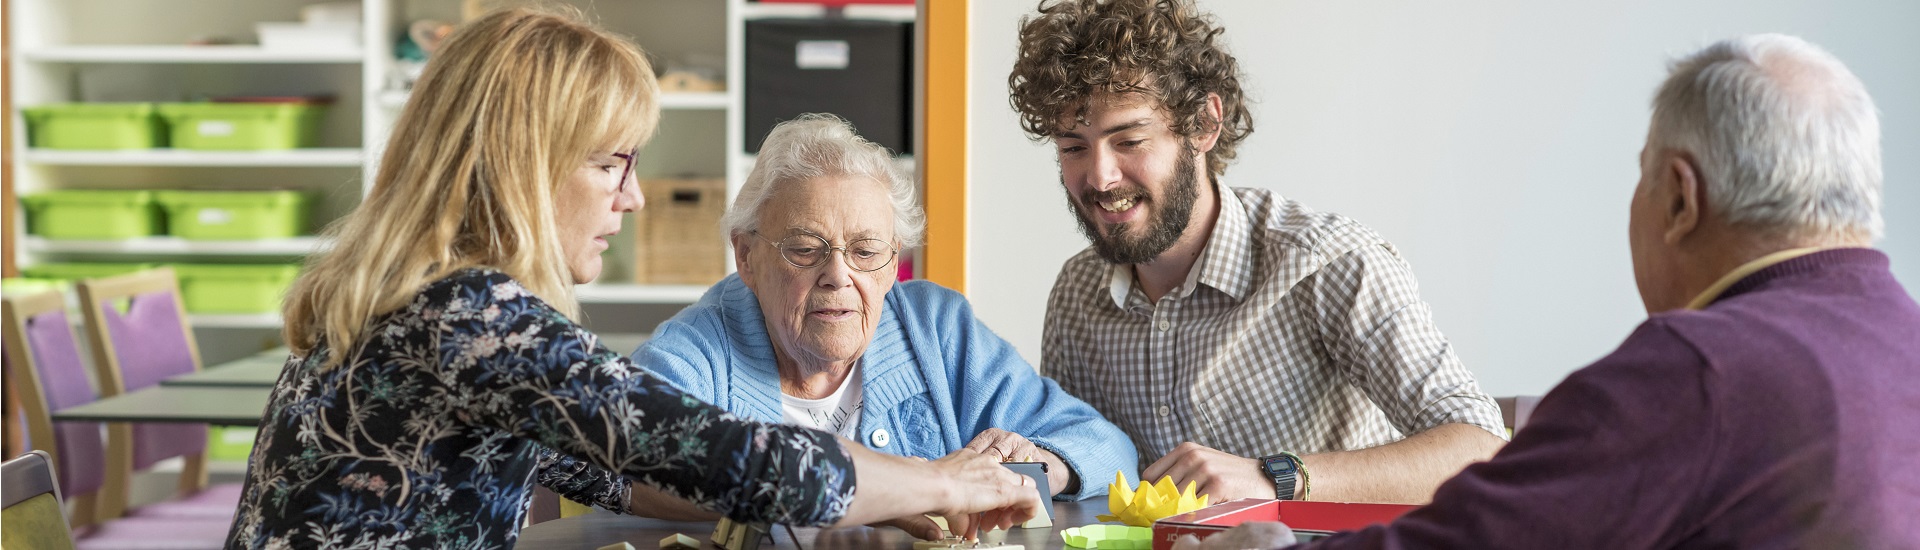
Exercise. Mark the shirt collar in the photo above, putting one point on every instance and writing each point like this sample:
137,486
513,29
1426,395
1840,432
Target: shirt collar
1226,264
1719,287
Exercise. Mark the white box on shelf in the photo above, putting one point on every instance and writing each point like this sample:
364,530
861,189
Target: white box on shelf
309,37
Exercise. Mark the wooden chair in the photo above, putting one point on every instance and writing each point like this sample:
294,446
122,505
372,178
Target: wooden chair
1516,410
48,375
139,334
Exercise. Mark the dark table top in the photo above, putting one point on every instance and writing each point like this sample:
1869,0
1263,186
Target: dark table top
602,528
222,406
257,371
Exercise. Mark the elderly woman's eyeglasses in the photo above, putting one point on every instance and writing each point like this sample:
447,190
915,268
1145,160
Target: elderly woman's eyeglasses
804,251
626,172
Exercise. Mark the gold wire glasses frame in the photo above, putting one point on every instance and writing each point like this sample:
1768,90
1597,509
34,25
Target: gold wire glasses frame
804,251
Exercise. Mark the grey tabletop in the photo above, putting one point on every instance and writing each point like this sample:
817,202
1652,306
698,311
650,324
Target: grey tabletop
602,528
223,406
254,371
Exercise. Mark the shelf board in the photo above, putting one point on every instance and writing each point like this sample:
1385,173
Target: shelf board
296,246
882,12
671,101
234,320
337,156
639,294
187,54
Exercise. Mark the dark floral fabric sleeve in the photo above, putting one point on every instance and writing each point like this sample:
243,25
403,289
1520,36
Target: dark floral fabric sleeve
512,362
578,481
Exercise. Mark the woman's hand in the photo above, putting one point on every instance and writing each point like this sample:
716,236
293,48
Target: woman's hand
983,495
1013,447
973,491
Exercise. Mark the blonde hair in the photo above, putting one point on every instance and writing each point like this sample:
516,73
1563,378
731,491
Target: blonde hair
510,105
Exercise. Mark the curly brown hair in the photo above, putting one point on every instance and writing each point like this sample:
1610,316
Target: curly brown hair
1162,49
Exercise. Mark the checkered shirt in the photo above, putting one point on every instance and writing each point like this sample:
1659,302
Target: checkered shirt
1298,331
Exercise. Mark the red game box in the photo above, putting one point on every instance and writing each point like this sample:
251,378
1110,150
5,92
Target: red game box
1305,517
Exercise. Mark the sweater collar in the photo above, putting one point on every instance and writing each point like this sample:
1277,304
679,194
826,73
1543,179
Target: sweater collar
1784,264
756,378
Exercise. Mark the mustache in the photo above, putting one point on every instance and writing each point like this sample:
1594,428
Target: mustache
1125,191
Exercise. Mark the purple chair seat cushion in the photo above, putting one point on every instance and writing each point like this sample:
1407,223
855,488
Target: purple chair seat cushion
218,501
154,534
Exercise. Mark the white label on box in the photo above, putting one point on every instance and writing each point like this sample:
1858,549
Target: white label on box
215,128
215,216
821,54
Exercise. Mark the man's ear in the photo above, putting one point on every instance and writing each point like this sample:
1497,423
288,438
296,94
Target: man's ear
1204,141
1682,197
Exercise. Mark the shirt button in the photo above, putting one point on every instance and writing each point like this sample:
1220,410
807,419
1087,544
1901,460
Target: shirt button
1165,410
1165,325
880,438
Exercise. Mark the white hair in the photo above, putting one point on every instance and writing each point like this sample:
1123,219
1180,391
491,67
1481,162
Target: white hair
820,145
1786,139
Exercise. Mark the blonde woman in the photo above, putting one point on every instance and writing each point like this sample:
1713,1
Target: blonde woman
438,372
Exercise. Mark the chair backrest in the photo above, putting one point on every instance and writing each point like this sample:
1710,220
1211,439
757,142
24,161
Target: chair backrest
135,349
31,519
1517,410
48,375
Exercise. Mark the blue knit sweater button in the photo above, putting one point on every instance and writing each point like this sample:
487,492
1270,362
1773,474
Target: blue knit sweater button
880,438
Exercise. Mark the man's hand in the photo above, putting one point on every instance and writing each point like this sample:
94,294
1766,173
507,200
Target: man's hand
1013,447
1223,476
1257,535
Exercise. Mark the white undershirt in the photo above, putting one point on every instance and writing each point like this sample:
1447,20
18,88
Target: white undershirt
838,413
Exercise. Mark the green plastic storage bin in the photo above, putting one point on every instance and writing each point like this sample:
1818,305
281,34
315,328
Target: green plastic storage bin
92,215
94,126
242,126
74,271
235,215
230,443
16,286
234,288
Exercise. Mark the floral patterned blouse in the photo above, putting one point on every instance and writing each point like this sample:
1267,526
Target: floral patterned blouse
433,433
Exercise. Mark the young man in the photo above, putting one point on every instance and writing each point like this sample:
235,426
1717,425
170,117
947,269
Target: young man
1245,341
1768,400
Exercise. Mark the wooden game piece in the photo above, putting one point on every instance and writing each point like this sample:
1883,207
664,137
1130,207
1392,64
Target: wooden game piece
678,541
617,546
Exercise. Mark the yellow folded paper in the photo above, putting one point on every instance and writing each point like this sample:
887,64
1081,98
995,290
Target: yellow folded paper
1151,502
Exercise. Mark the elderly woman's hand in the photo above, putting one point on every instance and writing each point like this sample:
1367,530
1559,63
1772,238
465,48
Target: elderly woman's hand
1252,535
1013,447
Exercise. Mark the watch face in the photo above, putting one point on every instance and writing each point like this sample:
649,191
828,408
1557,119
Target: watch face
1280,465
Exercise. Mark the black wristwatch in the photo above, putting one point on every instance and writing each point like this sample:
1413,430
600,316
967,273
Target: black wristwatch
1284,469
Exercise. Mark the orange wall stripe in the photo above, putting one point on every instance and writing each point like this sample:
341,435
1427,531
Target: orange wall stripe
943,140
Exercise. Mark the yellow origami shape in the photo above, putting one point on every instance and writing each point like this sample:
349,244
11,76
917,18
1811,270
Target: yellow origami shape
1151,502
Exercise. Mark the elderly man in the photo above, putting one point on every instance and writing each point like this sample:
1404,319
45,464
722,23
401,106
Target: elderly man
1245,341
1769,399
813,329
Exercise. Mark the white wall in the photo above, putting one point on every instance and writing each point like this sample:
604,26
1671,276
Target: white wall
1493,142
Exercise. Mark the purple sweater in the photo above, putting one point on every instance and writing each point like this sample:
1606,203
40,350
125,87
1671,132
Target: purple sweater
1784,415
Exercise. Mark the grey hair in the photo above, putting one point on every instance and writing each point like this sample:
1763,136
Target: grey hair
1786,139
820,145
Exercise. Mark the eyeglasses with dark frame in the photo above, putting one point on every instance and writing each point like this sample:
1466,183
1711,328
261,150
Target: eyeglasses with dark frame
626,172
805,250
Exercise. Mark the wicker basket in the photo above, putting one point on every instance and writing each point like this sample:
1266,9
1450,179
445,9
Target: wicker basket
678,239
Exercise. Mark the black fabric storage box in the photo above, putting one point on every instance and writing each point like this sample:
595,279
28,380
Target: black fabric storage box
860,70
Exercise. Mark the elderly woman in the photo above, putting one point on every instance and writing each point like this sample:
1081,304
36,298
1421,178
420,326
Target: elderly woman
438,371
813,329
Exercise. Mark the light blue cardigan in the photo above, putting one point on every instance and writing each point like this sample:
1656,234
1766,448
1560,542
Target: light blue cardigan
933,377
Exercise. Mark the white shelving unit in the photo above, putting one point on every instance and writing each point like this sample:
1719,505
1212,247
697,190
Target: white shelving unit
345,157
133,50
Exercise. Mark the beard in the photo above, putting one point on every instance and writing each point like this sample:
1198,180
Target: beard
1163,228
